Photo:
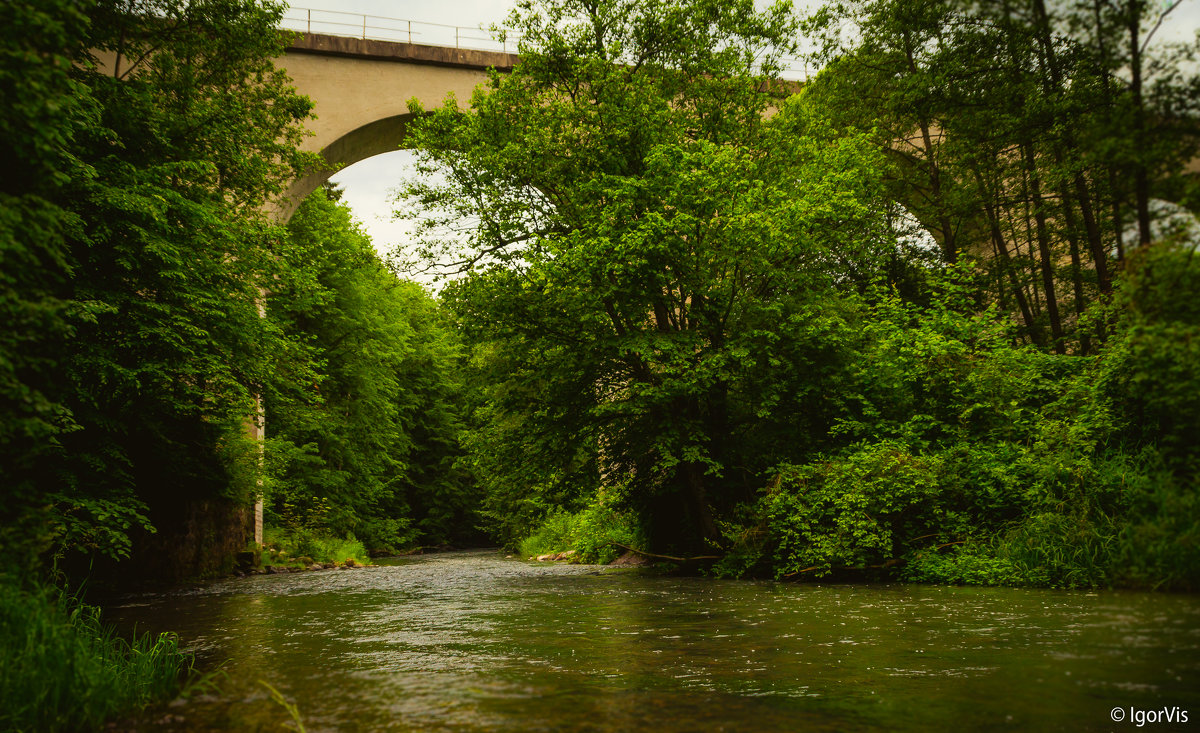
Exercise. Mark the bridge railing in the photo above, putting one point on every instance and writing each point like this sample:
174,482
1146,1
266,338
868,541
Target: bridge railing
379,28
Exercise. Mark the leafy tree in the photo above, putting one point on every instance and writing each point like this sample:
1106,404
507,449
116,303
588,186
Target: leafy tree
366,441
647,237
1021,136
44,110
160,154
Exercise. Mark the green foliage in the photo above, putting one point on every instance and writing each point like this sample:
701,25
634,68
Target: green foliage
134,243
601,527
961,565
858,511
523,474
647,235
288,546
555,534
681,286
100,526
1158,546
1060,550
1150,369
594,532
965,459
365,434
1149,374
392,534
670,291
44,110
1028,136
64,670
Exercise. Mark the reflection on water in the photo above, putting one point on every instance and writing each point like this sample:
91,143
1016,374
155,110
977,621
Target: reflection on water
470,641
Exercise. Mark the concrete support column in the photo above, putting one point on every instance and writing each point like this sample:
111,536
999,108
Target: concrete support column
256,429
258,511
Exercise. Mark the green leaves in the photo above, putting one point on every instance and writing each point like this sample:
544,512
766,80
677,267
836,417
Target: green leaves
133,256
648,233
365,430
857,512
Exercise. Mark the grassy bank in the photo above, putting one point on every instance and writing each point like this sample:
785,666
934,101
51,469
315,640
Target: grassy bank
302,547
64,670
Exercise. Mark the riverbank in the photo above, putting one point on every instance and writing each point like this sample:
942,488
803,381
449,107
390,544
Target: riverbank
65,670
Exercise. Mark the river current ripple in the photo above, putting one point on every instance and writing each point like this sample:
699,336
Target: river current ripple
472,641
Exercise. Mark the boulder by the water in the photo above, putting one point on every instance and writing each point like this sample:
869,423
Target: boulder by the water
555,556
631,560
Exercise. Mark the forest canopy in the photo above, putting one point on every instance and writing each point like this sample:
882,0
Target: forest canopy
923,316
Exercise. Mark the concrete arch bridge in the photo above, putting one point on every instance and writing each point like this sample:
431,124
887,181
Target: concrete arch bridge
355,121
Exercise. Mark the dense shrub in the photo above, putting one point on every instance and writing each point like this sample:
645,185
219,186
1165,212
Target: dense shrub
967,459
596,533
857,511
288,546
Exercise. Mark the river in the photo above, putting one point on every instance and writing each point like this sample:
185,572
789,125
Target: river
471,641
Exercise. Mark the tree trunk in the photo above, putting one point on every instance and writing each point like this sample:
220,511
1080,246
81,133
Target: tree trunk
1046,257
1006,265
1114,189
701,509
1141,182
1054,87
1085,343
1035,331
949,244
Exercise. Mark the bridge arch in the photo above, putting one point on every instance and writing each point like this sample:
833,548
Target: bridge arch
373,138
360,91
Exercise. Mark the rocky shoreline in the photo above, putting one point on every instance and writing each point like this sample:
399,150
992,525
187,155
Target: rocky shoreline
285,569
251,563
629,559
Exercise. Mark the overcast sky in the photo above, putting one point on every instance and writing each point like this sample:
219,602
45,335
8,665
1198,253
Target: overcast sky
368,184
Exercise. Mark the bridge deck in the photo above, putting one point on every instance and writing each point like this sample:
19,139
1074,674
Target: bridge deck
408,53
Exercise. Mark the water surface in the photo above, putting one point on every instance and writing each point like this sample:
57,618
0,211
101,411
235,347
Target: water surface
475,642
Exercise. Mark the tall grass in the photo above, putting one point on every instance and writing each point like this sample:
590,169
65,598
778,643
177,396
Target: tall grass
61,669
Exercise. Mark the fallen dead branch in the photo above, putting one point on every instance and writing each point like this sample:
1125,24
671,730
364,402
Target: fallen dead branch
665,557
